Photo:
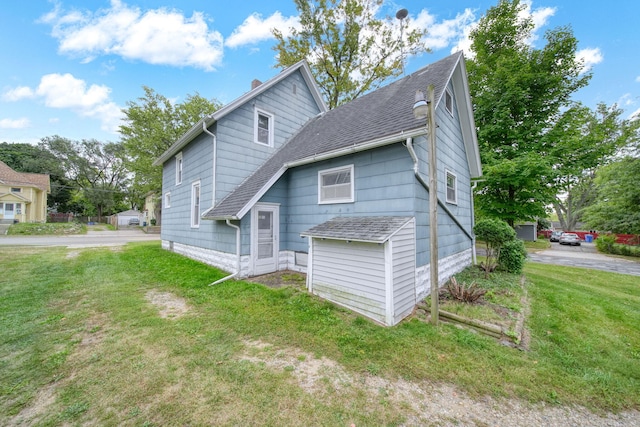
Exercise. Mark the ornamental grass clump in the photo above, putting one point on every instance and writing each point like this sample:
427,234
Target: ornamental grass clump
465,293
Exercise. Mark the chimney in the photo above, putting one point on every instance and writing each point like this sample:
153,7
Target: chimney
255,83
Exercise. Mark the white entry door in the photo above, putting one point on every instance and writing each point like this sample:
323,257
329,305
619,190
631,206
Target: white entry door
9,211
265,221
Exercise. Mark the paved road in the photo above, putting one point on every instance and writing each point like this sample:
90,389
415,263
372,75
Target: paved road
91,239
585,256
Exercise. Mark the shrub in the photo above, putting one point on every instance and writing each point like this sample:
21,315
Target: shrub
512,256
605,243
494,233
464,293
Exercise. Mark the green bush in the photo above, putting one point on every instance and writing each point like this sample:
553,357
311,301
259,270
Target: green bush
608,245
605,243
512,256
494,233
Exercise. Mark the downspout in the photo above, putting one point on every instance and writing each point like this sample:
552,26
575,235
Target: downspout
215,154
473,222
422,181
237,255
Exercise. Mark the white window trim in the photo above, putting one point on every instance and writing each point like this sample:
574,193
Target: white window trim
193,207
179,168
453,201
167,199
272,121
448,92
350,199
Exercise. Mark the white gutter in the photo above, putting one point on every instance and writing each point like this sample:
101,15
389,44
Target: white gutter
215,154
237,256
422,181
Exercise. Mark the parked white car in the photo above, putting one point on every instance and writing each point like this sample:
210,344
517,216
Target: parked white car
570,239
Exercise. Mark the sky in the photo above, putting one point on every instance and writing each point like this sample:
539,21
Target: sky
69,67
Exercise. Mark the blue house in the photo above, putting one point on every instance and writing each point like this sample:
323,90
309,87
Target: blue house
275,181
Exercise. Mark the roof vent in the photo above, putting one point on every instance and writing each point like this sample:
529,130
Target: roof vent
255,83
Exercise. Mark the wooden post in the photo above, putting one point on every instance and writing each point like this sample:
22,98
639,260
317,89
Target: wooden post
433,207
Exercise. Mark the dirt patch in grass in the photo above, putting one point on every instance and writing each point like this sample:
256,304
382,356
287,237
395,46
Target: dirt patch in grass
280,279
39,406
423,402
169,306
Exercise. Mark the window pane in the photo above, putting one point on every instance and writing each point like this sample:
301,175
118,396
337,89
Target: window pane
263,129
336,185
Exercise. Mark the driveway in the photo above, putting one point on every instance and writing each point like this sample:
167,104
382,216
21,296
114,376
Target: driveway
585,256
91,239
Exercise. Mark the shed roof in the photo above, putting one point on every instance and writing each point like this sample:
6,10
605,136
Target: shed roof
380,117
370,229
22,179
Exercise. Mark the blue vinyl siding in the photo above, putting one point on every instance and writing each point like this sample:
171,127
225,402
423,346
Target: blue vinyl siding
384,185
238,154
237,157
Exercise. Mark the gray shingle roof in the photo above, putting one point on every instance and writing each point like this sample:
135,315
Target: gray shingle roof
382,113
375,229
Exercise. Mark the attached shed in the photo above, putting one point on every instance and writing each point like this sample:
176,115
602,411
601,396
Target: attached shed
366,264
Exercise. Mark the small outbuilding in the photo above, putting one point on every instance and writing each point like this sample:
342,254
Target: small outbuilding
366,264
126,216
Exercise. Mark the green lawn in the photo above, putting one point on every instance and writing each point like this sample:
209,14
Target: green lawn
80,342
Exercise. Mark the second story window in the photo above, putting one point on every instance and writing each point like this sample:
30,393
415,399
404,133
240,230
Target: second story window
179,169
448,101
16,190
263,128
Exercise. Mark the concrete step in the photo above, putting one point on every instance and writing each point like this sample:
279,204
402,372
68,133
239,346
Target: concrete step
4,228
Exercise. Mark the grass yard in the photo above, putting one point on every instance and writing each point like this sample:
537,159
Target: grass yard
134,336
40,229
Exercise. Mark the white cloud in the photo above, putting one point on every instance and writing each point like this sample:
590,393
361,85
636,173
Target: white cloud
442,34
21,92
626,100
158,36
254,29
638,79
589,57
14,123
539,17
635,115
64,91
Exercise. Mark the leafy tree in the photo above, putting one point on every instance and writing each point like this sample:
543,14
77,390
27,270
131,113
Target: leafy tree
36,159
349,49
518,93
617,208
584,140
494,233
96,171
153,124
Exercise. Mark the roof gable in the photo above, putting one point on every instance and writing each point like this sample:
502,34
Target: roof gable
199,127
380,117
12,178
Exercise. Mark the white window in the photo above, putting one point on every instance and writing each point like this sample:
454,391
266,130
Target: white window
18,208
195,204
452,187
16,190
336,185
448,101
179,168
263,127
167,200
